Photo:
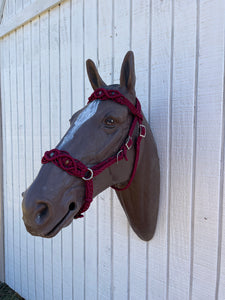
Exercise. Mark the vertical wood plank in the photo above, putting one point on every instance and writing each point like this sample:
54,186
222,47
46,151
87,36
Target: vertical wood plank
121,36
12,97
104,245
119,251
22,156
36,107
4,221
159,121
9,200
209,108
11,8
140,31
55,123
3,97
4,71
2,229
182,101
45,138
15,169
121,44
29,149
78,78
220,288
91,221
26,3
65,96
18,196
221,271
105,198
19,5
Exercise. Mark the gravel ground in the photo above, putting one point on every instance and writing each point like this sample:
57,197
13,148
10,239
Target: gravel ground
6,293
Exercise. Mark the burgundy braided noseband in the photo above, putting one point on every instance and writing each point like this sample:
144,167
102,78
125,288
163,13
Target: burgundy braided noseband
74,167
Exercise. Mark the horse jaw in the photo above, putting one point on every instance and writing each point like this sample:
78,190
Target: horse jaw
141,200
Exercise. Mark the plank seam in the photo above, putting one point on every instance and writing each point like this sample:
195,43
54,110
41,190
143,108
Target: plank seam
18,151
169,149
7,219
12,163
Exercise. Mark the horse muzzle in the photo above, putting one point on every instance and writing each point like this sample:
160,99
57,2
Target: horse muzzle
46,218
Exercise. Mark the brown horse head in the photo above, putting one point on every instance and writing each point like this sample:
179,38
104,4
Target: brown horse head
109,143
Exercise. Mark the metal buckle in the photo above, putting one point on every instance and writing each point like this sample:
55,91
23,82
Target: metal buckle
129,143
91,175
142,130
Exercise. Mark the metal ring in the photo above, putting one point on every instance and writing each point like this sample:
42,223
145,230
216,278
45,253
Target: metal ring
91,175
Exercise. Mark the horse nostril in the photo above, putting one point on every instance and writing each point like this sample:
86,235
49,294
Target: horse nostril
72,206
42,214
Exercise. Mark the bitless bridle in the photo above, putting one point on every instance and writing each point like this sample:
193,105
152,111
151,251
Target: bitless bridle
74,167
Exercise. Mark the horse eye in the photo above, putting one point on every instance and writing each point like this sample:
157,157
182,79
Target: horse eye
109,122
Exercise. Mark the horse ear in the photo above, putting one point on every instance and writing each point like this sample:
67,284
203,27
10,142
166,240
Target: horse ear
127,74
93,75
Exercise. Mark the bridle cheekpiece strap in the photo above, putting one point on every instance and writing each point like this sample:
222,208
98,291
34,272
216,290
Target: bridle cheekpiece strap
74,167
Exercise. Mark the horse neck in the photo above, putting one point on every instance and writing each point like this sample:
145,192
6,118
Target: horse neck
141,200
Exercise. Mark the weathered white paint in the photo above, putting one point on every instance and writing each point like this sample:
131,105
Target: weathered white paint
16,18
82,118
179,54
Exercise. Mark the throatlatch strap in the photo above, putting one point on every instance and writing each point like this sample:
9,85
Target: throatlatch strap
74,167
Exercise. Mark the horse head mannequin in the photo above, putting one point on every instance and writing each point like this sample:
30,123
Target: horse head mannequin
109,143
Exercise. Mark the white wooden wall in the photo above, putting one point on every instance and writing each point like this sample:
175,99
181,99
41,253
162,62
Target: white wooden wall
179,54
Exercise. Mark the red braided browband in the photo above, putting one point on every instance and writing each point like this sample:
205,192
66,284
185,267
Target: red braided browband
74,167
117,97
